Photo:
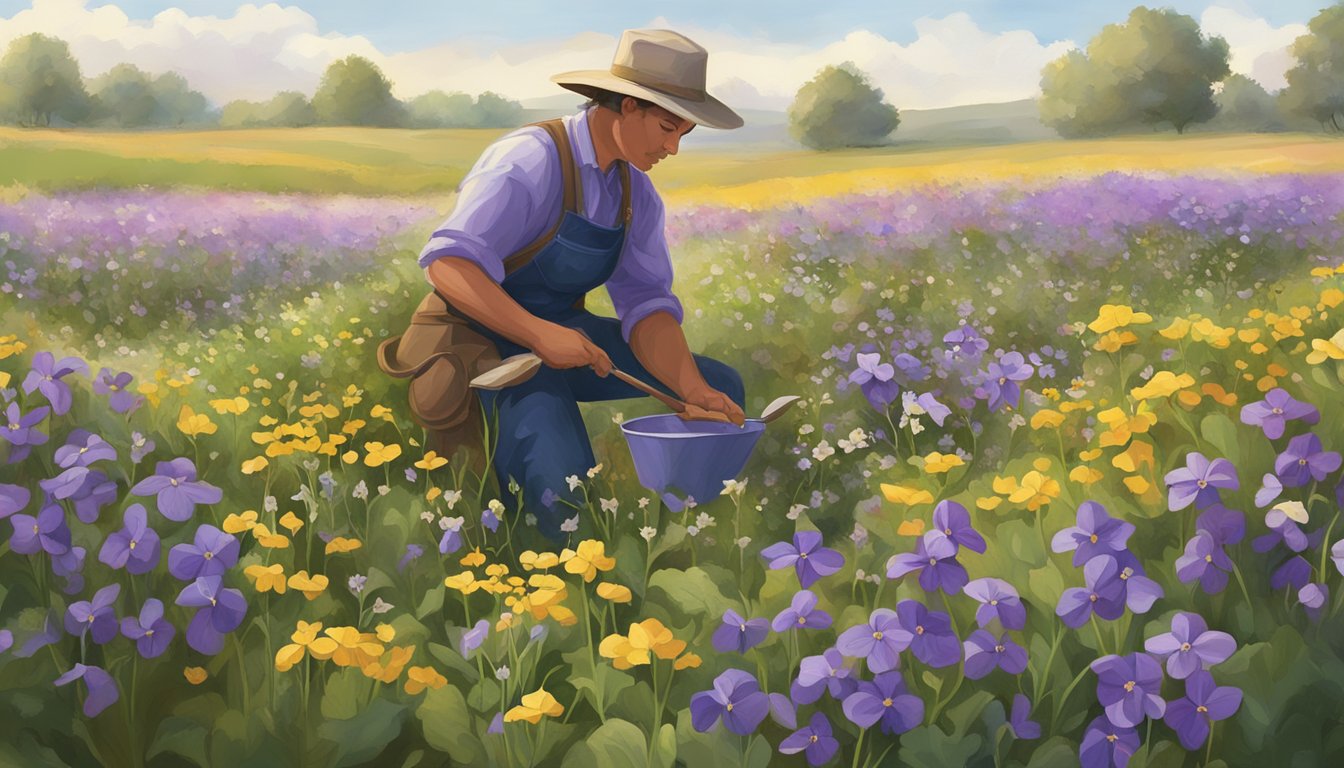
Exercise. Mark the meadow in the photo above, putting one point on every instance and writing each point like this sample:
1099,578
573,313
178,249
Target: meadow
1064,486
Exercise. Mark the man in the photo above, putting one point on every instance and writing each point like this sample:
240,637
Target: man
639,109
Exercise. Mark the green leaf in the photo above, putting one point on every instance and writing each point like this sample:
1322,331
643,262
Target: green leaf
964,715
182,737
364,736
448,725
1046,584
671,538
484,696
433,601
665,746
377,579
602,678
759,753
1219,430
343,692
929,747
615,744
933,681
693,591
1058,752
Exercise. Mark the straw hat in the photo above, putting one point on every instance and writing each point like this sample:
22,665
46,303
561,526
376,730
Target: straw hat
660,66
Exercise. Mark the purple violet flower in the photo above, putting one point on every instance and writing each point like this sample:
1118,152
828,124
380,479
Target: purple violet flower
1104,594
13,498
1019,722
135,547
932,639
177,489
984,652
1198,481
806,555
955,522
826,672
211,554
1003,378
1203,703
998,600
884,700
739,634
1096,533
97,617
103,691
21,431
115,386
47,376
1205,560
935,557
875,380
221,611
46,532
880,641
1305,460
736,698
151,632
802,613
1106,745
814,741
1278,408
1130,688
1190,645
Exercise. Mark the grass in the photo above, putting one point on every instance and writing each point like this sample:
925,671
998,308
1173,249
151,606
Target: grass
404,162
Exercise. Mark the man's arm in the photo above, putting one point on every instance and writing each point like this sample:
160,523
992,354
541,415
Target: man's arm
660,346
473,292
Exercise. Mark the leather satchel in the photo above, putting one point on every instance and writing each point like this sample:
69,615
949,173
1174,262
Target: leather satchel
440,353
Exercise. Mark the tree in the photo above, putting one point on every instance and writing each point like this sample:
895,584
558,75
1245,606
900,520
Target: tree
495,111
437,109
1316,83
124,96
287,109
354,91
838,108
41,80
1156,68
1245,105
175,103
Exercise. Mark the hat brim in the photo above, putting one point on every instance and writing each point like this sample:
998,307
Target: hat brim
710,112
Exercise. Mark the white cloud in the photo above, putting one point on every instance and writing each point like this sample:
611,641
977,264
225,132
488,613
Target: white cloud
1258,50
260,50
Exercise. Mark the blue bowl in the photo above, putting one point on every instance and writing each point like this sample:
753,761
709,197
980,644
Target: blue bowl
678,459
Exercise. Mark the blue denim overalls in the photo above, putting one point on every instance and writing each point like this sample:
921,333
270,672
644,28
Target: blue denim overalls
541,435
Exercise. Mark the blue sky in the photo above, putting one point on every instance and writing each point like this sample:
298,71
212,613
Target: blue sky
922,53
396,26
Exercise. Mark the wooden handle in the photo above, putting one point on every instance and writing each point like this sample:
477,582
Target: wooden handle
670,402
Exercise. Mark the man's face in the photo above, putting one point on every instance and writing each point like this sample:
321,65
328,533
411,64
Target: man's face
648,135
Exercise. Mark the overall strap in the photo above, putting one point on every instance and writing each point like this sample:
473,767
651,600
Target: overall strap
572,187
625,193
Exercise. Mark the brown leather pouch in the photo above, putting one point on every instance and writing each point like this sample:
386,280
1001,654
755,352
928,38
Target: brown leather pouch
441,354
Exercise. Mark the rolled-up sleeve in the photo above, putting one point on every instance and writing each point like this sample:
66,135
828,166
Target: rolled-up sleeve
501,206
642,282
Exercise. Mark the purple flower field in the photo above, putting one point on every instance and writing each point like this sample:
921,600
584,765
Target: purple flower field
1064,488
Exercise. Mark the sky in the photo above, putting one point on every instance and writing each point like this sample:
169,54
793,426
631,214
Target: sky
922,53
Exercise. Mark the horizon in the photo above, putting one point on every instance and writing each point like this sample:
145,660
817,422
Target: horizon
989,54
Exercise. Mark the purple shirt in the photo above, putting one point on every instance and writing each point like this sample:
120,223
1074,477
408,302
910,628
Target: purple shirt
512,196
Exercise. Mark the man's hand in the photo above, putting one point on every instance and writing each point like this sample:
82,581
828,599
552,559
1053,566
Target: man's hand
712,405
561,347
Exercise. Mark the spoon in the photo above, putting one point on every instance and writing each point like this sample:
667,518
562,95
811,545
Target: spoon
776,408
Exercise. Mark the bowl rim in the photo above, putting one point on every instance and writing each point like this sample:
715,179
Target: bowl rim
751,427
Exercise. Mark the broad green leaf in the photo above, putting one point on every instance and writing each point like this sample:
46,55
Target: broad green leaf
616,743
1046,584
181,737
344,692
693,592
665,746
363,737
431,603
448,725
1219,430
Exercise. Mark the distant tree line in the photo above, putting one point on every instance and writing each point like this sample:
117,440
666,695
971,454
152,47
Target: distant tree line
1157,70
41,85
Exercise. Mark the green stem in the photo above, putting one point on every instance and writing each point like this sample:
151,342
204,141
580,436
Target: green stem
858,748
1101,646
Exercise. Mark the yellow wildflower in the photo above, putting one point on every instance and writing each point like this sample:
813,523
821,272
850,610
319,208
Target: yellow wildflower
420,678
310,586
340,544
590,558
237,523
267,578
192,423
905,495
379,454
535,706
1112,316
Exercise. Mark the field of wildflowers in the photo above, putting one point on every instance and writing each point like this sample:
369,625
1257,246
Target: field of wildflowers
1064,488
